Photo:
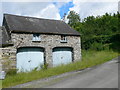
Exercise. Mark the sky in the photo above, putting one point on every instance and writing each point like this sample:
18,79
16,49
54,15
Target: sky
55,9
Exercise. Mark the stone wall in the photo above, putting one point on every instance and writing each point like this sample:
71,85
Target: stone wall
8,58
48,42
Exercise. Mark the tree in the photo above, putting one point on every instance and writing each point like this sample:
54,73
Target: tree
97,33
74,19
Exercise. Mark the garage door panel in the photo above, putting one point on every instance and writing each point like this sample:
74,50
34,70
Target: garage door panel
29,58
21,62
62,56
36,58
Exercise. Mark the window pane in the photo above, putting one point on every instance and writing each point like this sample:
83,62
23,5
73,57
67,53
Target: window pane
63,38
36,37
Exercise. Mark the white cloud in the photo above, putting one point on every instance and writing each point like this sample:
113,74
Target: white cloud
95,7
59,0
106,8
1,14
76,1
119,6
50,12
36,0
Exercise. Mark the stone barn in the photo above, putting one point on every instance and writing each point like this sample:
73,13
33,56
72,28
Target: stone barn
29,42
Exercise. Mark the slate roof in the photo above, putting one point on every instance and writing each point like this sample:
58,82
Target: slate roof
38,25
4,37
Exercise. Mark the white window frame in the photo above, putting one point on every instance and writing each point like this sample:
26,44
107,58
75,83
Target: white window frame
36,37
63,39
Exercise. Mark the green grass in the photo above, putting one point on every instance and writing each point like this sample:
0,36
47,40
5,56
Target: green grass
0,84
89,58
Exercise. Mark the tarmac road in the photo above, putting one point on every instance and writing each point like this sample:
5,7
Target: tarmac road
102,76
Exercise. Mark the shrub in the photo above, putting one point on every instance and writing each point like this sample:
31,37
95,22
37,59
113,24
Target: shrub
11,72
97,46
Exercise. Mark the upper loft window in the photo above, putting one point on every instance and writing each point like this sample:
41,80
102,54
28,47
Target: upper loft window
36,37
63,39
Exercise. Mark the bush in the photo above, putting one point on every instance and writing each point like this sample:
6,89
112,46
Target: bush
11,72
97,46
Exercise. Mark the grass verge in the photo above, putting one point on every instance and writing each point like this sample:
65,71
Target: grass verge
0,84
89,59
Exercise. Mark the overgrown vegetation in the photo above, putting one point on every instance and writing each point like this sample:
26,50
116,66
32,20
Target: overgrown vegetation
97,33
90,58
0,84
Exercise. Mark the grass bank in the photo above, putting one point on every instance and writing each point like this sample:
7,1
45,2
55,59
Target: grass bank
89,58
0,84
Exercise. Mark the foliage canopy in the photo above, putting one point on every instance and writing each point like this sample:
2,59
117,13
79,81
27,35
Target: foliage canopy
97,33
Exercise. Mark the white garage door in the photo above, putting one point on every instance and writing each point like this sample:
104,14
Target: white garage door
62,56
29,58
